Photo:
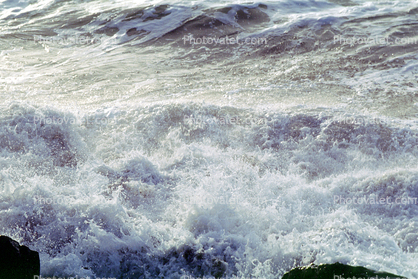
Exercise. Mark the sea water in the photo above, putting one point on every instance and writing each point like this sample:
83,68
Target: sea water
187,139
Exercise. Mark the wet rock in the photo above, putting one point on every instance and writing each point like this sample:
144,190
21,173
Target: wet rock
16,261
337,271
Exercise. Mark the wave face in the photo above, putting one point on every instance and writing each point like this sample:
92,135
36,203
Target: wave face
155,139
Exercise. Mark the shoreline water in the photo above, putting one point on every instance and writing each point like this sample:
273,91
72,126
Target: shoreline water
205,138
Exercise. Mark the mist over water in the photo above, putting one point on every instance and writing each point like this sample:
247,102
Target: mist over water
152,139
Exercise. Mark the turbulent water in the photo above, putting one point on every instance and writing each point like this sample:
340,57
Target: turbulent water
182,139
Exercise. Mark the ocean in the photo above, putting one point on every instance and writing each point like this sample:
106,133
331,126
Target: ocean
209,139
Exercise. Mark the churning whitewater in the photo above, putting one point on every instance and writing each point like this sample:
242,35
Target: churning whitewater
211,139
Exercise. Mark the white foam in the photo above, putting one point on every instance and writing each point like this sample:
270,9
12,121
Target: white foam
134,182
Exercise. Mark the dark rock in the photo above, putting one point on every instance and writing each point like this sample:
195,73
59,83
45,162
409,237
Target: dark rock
336,271
17,262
